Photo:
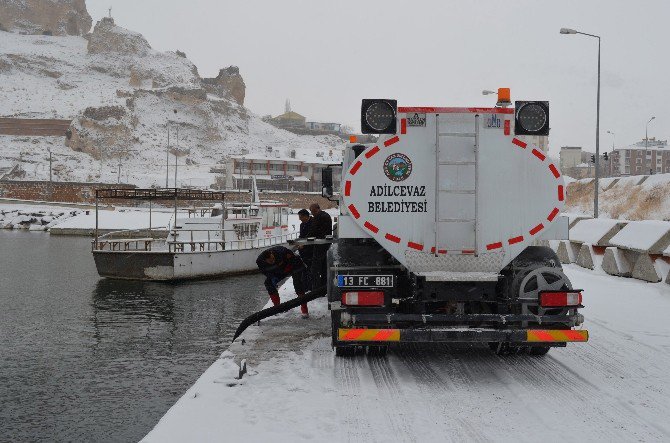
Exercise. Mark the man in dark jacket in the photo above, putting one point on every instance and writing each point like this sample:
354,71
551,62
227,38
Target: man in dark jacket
304,251
276,264
321,226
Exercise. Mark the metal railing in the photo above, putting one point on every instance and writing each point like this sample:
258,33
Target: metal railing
105,243
230,245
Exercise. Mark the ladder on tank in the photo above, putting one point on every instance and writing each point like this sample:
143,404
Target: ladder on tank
456,181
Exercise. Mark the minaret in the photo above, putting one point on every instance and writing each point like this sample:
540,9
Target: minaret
287,106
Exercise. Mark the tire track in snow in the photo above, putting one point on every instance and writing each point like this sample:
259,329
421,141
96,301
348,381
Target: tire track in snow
565,386
482,364
388,386
429,381
348,382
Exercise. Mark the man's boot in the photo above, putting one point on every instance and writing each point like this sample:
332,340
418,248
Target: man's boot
303,308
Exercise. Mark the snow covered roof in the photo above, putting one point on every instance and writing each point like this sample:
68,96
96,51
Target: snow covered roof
304,155
651,236
595,231
296,178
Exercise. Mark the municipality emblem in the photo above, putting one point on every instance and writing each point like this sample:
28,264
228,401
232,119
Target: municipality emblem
397,167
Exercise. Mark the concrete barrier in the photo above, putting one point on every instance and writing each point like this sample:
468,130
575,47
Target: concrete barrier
566,252
596,231
590,257
616,263
645,236
644,269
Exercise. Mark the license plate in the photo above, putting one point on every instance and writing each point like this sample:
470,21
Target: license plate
365,281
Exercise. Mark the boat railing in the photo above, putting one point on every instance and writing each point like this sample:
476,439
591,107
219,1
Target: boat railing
192,244
202,245
140,239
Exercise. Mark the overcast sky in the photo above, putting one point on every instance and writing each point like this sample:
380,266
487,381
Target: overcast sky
325,56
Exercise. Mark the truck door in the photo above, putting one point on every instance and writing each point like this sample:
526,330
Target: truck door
456,183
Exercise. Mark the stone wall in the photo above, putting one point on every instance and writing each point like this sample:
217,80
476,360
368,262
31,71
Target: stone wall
67,192
293,199
75,192
54,17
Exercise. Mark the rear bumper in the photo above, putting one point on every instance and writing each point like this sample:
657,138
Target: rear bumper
469,335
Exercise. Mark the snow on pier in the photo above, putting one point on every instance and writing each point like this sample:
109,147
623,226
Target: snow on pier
616,387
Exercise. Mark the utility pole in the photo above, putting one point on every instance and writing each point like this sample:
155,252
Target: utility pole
50,167
646,145
167,157
176,158
118,175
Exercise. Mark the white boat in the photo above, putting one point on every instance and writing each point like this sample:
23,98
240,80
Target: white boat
202,242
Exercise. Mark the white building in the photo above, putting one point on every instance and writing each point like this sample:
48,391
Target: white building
283,171
638,160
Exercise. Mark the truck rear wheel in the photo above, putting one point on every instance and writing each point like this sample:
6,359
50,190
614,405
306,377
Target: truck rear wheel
377,350
539,351
503,348
345,351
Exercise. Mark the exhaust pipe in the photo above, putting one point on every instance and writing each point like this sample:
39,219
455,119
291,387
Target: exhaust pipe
282,307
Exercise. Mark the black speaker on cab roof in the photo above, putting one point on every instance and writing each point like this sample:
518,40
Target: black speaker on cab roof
378,116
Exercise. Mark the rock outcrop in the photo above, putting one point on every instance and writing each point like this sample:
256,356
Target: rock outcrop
108,38
51,17
228,83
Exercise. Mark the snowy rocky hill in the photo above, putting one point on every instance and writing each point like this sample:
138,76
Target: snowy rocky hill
122,95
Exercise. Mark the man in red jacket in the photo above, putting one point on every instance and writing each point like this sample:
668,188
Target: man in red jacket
276,264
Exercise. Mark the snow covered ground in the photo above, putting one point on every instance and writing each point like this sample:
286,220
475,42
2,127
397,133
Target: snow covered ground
616,387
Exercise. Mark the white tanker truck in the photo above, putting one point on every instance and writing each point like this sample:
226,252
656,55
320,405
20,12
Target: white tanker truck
438,232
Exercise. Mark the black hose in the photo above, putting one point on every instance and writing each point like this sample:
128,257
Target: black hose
282,307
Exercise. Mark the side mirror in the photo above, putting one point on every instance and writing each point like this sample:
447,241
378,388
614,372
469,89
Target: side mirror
327,182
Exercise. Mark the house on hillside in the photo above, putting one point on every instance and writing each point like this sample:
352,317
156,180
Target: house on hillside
288,120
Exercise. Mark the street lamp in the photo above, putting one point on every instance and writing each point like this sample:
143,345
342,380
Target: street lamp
595,184
646,144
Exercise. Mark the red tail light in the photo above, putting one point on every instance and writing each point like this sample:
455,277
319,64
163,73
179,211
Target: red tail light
363,298
558,299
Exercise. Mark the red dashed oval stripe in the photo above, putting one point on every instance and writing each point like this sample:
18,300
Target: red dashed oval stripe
554,171
561,195
354,169
372,152
515,240
492,246
553,214
416,246
403,126
391,141
392,238
519,143
371,227
347,188
536,229
538,154
354,211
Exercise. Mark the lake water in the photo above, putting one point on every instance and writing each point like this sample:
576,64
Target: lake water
84,358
